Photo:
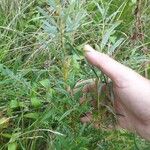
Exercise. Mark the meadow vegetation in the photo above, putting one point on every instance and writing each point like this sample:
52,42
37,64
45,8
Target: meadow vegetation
41,60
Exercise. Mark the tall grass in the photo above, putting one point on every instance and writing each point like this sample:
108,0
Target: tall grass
41,60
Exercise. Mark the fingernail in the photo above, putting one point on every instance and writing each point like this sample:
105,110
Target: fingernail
88,48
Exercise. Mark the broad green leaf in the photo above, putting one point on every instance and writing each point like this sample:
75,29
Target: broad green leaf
45,83
97,48
108,33
6,135
32,115
36,102
22,104
134,1
14,104
12,146
4,122
14,136
113,39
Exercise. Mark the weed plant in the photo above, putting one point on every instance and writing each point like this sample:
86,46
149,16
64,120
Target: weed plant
41,60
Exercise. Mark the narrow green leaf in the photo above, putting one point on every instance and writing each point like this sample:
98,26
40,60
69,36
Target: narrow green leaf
66,114
108,34
52,3
112,16
101,10
51,29
46,15
118,43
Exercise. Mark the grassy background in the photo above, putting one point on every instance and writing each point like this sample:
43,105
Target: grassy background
41,58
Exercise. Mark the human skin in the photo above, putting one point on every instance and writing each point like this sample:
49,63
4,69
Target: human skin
131,92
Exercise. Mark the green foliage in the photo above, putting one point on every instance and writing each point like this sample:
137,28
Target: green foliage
41,60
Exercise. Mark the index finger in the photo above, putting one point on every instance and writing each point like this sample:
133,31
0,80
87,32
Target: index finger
117,72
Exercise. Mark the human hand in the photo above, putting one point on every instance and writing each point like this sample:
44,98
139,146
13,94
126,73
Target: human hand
131,92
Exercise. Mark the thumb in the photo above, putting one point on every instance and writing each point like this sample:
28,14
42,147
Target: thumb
117,72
